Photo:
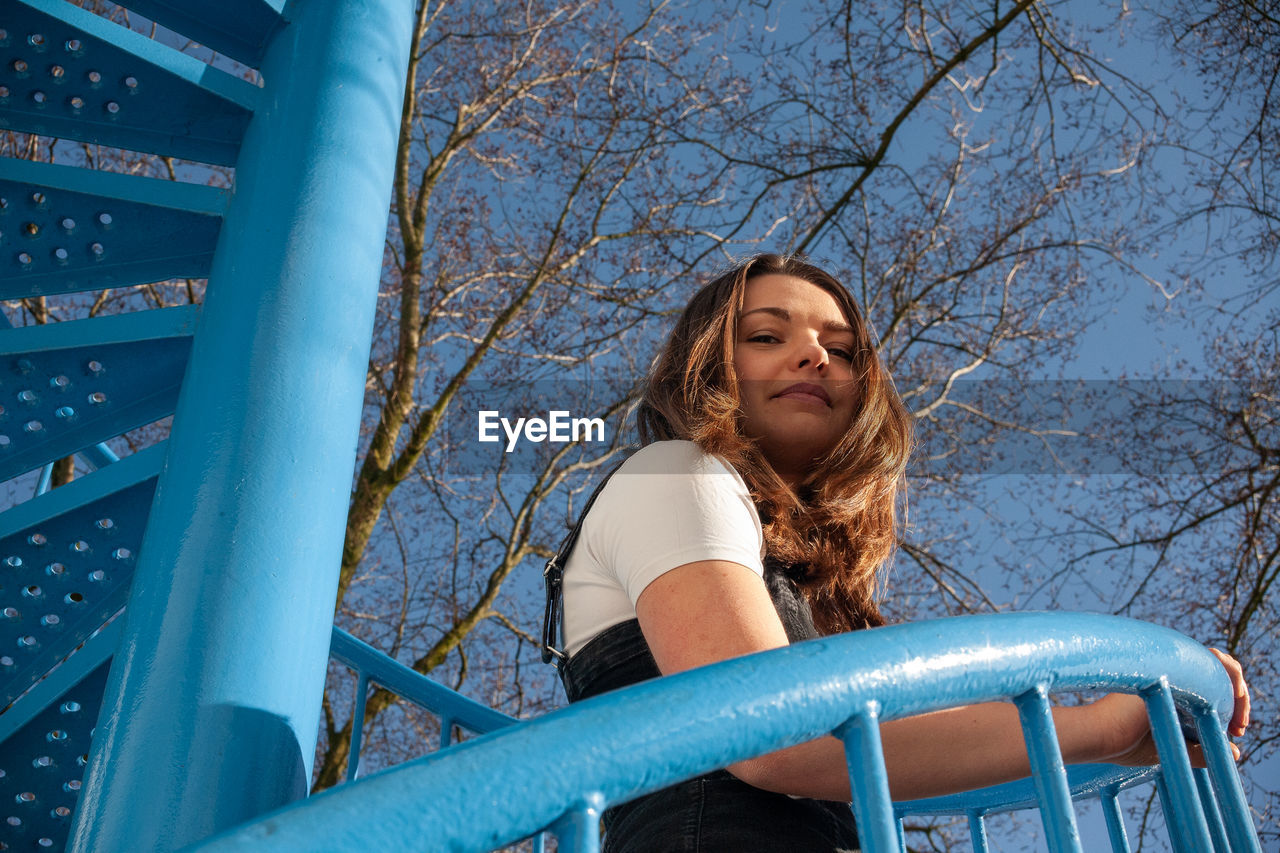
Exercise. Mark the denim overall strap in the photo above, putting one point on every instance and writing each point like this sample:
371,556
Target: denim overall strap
553,580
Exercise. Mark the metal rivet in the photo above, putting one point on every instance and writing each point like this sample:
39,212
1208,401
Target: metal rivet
65,412
104,219
30,229
73,45
10,613
33,426
42,761
69,707
59,381
32,591
96,249
19,66
72,785
122,553
76,102
37,539
111,107
56,71
26,395
97,575
14,562
38,97
79,546
105,524
97,398
54,569
4,91
131,82
68,224
94,77
51,620
24,259
35,39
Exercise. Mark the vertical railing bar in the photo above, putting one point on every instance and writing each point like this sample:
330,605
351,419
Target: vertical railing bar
357,726
578,830
1048,771
46,480
902,836
868,781
1176,840
978,832
1226,784
540,843
1217,831
1184,814
446,731
1115,822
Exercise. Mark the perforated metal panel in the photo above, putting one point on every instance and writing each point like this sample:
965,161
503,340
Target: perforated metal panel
42,764
70,385
66,560
68,73
64,229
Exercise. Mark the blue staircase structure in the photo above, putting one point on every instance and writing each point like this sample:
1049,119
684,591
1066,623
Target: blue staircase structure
166,620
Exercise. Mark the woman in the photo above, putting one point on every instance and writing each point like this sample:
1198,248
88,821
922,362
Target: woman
761,511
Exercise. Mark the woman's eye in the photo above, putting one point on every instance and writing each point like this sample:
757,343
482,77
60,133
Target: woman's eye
762,338
841,352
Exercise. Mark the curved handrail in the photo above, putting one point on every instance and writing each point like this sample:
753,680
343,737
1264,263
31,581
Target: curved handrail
620,745
414,686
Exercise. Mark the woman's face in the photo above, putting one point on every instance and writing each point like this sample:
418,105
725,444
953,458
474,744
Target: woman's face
793,357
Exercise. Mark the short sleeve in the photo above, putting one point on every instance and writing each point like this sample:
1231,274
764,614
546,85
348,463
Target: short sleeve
672,504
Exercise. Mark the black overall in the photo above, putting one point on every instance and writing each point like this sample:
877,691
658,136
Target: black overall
714,813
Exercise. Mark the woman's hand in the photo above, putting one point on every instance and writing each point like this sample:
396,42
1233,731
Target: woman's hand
1124,718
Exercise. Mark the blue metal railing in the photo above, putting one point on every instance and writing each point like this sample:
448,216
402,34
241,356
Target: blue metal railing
560,771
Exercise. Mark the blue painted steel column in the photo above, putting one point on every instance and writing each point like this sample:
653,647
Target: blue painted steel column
211,712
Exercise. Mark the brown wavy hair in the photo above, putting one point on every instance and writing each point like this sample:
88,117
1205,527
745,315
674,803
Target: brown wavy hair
840,523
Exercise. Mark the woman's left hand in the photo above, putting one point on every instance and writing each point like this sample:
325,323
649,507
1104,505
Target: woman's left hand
1125,718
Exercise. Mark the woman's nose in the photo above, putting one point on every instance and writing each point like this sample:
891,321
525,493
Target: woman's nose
811,354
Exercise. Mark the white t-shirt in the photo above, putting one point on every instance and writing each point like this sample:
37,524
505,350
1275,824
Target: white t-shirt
668,505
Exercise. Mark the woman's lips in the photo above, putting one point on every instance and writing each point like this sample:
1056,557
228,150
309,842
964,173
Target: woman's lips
806,391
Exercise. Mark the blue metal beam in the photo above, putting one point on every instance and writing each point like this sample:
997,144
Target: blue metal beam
210,714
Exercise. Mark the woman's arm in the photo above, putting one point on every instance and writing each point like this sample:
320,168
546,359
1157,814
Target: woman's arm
712,610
